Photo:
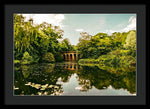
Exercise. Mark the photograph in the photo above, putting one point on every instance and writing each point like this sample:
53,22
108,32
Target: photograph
74,54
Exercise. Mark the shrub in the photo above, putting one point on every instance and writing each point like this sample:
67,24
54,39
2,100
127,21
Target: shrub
26,59
48,57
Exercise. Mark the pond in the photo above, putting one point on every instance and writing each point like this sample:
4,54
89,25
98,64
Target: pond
72,79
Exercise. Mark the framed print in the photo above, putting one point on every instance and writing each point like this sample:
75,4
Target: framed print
75,54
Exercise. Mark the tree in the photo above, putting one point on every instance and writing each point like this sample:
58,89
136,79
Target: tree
84,44
48,57
24,36
130,42
94,46
66,45
37,40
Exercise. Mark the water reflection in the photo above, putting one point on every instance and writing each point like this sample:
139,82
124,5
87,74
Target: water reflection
69,78
102,79
70,65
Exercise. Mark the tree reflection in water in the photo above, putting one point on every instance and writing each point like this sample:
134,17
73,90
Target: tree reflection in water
102,77
46,78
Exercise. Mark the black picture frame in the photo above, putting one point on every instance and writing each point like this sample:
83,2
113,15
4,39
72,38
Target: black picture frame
140,99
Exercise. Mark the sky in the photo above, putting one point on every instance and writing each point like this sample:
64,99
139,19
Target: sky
74,24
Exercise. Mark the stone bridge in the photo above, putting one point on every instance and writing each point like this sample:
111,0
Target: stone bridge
70,55
68,65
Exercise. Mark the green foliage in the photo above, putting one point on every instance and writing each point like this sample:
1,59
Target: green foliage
115,58
94,46
92,52
58,57
16,61
115,50
65,45
37,40
27,59
130,42
48,57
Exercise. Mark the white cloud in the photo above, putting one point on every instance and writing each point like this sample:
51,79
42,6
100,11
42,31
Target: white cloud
131,24
54,19
80,30
130,19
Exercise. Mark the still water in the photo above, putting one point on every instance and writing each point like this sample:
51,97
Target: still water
72,79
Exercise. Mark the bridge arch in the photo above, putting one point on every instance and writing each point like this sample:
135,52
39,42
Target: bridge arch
70,55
